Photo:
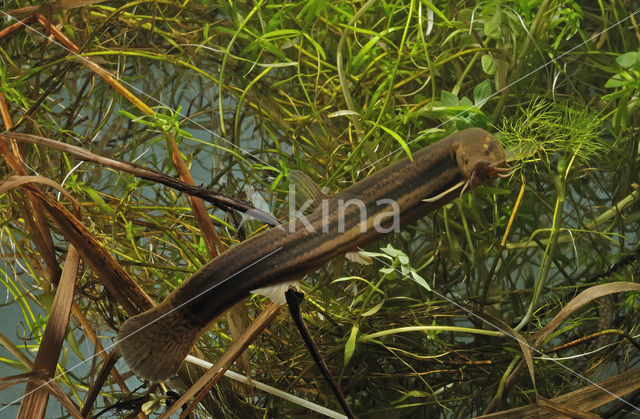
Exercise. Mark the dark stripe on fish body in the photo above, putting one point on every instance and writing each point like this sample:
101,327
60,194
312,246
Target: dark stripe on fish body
432,171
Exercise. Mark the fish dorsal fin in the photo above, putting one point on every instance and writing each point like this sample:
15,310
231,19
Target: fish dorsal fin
305,189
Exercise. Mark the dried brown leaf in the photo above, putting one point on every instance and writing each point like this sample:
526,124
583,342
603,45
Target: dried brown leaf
579,301
207,228
576,303
582,400
34,403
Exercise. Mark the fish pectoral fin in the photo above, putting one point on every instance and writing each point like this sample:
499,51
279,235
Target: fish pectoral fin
358,257
306,189
443,194
276,292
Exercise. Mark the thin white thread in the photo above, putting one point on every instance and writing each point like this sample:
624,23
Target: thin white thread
268,389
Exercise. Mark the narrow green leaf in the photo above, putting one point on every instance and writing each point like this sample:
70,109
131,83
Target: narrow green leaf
95,197
373,310
399,139
420,280
350,346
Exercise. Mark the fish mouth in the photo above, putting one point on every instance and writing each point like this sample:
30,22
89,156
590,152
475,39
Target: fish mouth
483,171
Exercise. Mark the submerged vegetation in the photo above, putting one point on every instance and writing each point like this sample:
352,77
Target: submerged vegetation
523,292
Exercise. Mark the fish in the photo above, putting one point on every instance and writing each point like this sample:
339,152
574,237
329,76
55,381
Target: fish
154,343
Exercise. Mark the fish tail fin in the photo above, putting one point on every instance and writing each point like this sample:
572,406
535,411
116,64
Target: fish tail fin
155,343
